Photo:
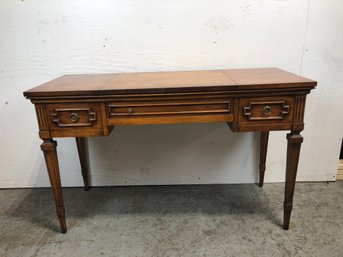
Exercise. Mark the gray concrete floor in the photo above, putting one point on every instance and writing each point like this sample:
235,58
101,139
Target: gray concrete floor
197,220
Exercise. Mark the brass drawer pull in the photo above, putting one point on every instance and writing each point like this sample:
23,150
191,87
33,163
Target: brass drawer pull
74,117
267,110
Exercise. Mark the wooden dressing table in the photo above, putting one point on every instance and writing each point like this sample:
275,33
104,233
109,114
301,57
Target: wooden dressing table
82,106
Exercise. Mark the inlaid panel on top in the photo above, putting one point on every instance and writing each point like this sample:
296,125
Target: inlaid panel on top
266,77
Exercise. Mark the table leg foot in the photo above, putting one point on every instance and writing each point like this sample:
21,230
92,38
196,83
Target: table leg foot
62,220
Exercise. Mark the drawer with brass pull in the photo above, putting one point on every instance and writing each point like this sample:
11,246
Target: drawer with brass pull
266,110
73,115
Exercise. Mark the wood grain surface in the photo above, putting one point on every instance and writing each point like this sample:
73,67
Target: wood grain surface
173,81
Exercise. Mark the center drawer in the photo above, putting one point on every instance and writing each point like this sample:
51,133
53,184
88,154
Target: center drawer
168,111
162,108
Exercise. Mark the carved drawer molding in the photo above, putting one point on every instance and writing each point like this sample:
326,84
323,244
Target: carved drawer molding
74,117
266,110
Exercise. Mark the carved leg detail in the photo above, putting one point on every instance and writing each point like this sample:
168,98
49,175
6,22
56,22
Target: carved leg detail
81,148
50,155
293,150
263,156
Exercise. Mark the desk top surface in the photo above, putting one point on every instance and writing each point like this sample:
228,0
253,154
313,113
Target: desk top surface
171,81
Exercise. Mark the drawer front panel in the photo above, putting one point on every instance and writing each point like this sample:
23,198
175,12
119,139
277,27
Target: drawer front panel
266,110
78,115
168,111
163,108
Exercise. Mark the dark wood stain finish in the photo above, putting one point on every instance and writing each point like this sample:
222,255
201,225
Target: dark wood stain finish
82,106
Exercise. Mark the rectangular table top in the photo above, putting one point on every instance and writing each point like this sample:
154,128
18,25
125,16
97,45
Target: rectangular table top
170,81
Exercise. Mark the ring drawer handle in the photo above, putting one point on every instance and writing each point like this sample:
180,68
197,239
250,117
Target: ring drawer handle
267,110
74,117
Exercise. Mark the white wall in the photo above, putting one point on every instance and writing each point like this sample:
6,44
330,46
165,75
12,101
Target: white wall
40,40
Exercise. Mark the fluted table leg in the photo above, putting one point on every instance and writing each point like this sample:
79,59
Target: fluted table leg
49,149
293,150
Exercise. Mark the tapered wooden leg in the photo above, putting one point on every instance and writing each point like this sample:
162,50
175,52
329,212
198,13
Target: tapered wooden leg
81,148
263,155
293,150
50,155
